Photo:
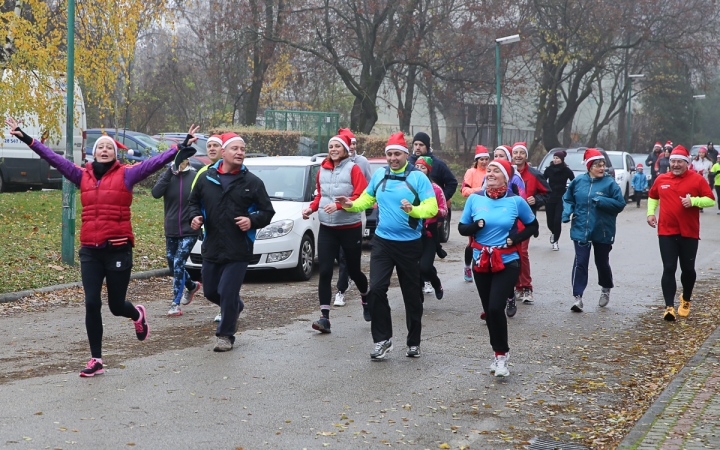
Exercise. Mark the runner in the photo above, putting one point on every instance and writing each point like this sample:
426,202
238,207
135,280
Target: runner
174,187
232,204
558,174
213,146
339,229
662,164
593,200
430,235
473,182
680,194
652,159
537,191
715,173
404,197
491,217
343,282
640,183
106,235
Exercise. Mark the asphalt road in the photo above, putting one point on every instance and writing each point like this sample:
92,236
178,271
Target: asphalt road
289,387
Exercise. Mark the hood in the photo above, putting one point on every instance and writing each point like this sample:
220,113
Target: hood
286,210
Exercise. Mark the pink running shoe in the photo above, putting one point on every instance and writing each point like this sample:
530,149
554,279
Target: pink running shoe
141,326
468,274
94,367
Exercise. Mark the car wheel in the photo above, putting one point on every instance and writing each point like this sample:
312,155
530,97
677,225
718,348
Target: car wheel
306,259
445,228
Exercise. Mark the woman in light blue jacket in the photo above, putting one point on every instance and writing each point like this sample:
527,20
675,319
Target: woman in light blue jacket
592,201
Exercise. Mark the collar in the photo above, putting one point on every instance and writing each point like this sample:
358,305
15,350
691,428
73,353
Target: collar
402,170
234,172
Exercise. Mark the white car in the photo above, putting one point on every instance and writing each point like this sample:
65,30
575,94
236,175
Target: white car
289,242
624,170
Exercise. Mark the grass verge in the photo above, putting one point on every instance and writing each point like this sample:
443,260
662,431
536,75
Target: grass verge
31,235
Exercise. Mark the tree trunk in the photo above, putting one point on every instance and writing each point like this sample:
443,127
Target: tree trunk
434,127
567,134
405,107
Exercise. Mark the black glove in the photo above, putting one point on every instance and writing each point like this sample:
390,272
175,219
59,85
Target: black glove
187,140
184,152
25,138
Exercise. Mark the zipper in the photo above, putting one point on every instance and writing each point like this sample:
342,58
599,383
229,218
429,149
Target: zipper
587,220
180,209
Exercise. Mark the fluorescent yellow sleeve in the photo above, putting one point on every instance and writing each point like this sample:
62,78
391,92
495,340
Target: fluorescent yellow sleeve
362,203
427,209
702,202
652,206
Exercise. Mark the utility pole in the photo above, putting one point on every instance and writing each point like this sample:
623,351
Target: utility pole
68,189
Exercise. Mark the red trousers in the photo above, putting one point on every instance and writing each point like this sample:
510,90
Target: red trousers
524,280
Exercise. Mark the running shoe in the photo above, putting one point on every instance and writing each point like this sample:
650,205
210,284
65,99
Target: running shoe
604,298
190,294
501,366
528,297
428,289
578,305
218,318
519,295
669,314
441,253
339,299
684,308
439,293
555,246
141,326
413,351
468,275
223,344
483,316
175,310
322,325
552,238
493,365
94,367
511,307
381,350
366,312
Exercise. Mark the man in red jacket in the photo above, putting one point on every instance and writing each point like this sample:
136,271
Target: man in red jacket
537,190
682,192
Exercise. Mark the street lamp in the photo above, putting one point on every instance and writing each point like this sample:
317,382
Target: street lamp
629,114
498,43
692,122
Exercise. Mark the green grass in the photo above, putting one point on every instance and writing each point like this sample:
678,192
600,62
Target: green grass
30,237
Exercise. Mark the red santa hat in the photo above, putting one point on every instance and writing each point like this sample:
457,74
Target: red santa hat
397,142
507,150
116,144
669,144
680,152
639,166
215,138
228,138
657,144
346,131
481,152
504,166
344,139
521,145
592,154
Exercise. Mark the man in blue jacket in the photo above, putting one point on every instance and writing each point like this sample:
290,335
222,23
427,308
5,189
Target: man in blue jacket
441,174
592,202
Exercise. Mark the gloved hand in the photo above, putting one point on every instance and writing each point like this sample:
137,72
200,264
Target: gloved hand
184,152
25,138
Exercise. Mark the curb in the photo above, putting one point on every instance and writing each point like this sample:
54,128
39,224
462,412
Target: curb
641,428
14,296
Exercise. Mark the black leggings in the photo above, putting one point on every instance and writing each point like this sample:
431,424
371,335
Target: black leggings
493,288
672,249
427,260
114,266
330,240
553,213
717,197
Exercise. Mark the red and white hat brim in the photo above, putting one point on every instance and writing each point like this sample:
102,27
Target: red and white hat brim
396,147
215,139
507,153
231,140
502,169
594,158
482,155
105,137
340,140
684,158
521,147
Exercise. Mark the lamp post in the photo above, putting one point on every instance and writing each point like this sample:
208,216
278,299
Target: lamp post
629,113
498,43
68,189
692,122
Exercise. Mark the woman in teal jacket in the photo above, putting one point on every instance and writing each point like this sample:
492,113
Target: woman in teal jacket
592,201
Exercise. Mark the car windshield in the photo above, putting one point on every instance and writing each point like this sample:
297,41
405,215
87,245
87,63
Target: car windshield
616,161
282,182
147,141
201,146
573,160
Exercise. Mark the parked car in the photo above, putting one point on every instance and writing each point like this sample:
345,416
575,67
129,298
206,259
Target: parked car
639,158
624,166
574,160
200,145
371,214
142,145
196,161
289,242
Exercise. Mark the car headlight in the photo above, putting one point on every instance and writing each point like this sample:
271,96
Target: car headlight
275,229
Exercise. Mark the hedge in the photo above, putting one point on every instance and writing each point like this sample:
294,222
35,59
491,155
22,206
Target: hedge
270,142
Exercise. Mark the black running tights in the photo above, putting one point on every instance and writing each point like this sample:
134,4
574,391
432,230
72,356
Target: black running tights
673,249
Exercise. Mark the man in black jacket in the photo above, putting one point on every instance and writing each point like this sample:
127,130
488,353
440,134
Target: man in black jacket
235,205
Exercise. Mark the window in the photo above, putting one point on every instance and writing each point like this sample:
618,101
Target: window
283,182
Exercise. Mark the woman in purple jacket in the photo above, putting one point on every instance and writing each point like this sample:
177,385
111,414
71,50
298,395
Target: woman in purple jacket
106,235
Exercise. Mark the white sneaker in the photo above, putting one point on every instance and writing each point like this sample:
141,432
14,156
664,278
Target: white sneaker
578,305
175,310
218,318
339,299
604,298
428,289
501,367
555,246
528,297
493,366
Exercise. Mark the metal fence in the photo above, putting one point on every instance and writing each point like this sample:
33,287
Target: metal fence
317,126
